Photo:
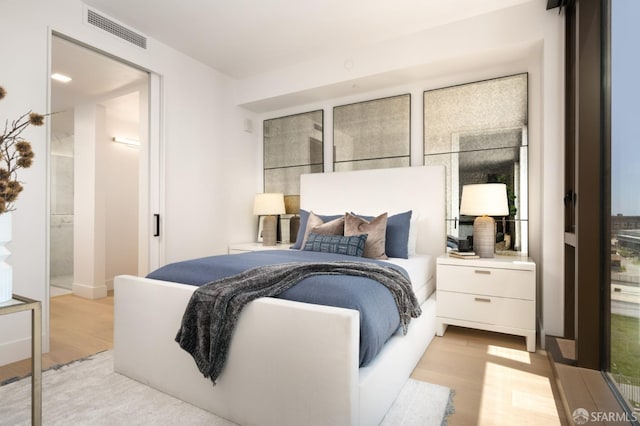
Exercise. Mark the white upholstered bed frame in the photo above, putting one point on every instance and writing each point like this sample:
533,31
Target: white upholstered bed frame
290,363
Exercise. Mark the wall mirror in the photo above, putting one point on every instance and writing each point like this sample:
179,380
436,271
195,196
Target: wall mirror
293,145
478,131
373,134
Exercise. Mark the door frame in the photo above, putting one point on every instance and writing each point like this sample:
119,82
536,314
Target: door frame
151,182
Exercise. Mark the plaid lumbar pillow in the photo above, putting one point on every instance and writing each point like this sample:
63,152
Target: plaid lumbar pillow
352,245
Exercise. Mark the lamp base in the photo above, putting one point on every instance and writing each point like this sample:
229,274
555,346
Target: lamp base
484,236
269,230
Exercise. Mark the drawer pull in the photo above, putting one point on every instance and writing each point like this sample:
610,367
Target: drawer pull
481,271
482,299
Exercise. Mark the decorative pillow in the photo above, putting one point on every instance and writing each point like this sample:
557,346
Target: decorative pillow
397,235
376,229
302,231
352,246
316,225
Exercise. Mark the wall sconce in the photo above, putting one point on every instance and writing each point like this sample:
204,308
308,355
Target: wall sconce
484,201
127,141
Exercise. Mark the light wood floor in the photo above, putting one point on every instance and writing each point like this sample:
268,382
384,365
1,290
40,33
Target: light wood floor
79,328
496,381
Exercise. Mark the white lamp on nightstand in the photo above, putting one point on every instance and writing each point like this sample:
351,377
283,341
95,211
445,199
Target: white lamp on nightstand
484,200
269,205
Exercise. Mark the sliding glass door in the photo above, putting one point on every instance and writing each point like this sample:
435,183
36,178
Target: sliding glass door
624,344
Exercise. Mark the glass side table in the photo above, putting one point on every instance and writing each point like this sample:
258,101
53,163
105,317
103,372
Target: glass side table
19,304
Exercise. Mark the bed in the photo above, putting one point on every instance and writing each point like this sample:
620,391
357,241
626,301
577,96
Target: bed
293,363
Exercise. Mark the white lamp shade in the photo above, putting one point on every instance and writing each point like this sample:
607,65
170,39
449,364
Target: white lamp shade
268,204
488,199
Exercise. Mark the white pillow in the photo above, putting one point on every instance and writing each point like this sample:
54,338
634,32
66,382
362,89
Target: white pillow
413,234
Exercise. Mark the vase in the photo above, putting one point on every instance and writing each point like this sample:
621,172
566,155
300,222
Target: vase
6,272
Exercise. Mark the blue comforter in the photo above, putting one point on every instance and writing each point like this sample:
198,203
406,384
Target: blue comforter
379,317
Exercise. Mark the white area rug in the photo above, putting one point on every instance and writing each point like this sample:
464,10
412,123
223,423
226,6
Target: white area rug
88,392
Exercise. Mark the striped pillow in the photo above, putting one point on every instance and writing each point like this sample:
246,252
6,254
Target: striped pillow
351,246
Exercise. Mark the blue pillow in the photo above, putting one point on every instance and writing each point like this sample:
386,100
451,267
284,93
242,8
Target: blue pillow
304,218
397,236
351,246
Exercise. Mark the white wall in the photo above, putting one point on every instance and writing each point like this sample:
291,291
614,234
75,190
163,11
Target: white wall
88,201
122,169
200,154
525,38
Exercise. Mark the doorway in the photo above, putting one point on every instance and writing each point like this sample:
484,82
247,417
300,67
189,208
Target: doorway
99,135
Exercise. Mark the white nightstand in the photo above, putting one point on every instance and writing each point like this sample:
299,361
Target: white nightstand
496,294
245,247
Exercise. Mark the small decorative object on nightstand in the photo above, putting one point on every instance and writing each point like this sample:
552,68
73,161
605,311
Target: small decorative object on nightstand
484,200
269,205
497,294
292,206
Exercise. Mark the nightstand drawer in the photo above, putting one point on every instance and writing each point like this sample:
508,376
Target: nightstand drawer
508,283
514,313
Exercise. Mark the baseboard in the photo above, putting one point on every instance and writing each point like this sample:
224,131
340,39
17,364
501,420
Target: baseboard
89,292
15,350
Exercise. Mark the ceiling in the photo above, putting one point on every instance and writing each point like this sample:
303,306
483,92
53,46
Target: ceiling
95,77
244,38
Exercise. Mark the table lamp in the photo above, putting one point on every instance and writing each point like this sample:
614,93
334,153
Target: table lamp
484,200
269,205
292,206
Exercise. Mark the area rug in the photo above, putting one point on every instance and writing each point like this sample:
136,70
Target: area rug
89,392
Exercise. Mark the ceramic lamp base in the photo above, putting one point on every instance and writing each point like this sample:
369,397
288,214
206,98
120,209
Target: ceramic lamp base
269,230
484,236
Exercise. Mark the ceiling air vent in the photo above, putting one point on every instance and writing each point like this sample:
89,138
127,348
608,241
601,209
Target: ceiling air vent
116,29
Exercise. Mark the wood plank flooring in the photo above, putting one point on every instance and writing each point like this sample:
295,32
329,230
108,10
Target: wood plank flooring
496,381
79,328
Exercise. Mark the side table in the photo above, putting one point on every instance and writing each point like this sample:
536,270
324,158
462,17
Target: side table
20,304
496,294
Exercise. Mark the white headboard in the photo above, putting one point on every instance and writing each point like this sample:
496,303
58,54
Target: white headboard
372,192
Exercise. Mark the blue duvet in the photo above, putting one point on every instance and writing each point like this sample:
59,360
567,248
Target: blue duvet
379,317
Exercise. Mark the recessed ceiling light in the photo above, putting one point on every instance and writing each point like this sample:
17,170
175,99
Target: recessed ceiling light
60,77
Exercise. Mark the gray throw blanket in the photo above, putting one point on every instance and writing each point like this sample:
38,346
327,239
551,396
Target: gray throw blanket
210,316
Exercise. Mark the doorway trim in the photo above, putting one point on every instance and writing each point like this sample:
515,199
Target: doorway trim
151,183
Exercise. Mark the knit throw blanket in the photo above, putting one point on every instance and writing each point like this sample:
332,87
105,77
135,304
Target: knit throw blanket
212,312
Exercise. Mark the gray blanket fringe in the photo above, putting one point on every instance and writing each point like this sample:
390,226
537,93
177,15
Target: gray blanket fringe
212,312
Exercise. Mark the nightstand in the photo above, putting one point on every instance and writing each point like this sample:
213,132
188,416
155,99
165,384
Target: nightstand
245,247
497,294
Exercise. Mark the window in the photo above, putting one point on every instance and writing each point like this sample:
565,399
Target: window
624,340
